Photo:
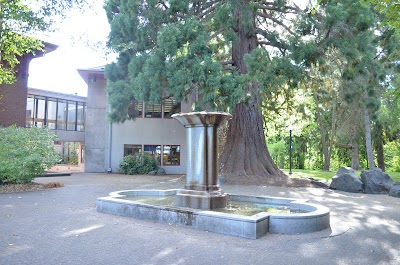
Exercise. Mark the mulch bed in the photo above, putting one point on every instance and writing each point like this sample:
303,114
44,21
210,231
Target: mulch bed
9,188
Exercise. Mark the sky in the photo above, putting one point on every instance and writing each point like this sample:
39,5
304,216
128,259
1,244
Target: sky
76,37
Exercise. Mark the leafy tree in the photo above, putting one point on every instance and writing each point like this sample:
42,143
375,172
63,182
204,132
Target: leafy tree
25,153
220,55
17,19
348,27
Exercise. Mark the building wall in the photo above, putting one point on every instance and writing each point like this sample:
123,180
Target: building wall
13,97
96,133
149,131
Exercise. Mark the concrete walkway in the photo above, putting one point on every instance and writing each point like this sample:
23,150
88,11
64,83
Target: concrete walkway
61,226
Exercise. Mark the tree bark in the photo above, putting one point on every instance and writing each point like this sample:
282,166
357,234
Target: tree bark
378,145
245,157
368,139
355,160
325,148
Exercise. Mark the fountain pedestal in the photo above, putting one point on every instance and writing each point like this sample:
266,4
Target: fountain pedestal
202,190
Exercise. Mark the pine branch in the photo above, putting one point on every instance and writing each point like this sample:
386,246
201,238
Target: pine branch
264,15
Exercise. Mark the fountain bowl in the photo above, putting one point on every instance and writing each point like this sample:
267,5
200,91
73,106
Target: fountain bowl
311,219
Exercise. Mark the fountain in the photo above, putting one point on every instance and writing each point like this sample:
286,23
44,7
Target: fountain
198,204
202,190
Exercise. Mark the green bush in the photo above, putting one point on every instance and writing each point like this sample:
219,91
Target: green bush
25,153
136,164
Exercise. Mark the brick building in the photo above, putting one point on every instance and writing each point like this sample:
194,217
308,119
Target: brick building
13,97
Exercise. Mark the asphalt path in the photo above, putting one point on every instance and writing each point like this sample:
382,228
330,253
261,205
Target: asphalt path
62,226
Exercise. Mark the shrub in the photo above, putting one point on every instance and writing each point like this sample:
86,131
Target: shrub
25,153
136,164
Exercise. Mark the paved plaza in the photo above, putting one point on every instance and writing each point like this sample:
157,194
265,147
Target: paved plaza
61,226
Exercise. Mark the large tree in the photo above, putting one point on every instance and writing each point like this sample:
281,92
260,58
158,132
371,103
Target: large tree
348,26
227,55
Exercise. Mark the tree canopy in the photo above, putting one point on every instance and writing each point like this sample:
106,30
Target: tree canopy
244,57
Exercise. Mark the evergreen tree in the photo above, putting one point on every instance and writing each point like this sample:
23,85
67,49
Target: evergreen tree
228,55
348,26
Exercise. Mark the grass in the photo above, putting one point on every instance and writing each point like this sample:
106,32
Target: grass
324,175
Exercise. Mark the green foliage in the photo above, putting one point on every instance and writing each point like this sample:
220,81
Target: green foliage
392,149
25,153
137,164
278,153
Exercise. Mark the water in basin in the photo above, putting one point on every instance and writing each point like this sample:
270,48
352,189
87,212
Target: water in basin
233,207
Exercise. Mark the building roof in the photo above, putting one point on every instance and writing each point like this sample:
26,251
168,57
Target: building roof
52,94
84,73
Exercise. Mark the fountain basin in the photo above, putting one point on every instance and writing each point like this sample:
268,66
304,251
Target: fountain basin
313,217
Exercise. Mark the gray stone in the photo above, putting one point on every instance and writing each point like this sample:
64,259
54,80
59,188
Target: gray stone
376,182
346,180
395,190
161,171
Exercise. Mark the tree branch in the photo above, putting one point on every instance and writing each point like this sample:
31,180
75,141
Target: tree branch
264,15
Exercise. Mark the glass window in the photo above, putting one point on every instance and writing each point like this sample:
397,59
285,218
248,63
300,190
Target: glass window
51,113
71,116
30,103
154,151
171,155
171,106
152,110
70,153
132,149
61,115
81,117
40,112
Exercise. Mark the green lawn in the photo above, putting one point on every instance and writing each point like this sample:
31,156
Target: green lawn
318,174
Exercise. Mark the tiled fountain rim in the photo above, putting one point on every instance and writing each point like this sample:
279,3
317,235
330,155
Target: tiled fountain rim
312,210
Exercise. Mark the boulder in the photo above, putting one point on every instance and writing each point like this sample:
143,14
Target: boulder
375,181
161,171
395,190
346,180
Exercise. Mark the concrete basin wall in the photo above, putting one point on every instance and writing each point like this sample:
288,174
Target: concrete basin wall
315,219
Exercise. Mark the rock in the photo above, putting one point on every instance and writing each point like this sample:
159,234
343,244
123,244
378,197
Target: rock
319,183
395,190
161,171
346,180
376,182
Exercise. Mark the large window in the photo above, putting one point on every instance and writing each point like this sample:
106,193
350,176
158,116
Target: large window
51,113
80,121
55,113
40,103
171,155
30,107
61,115
71,116
132,149
154,151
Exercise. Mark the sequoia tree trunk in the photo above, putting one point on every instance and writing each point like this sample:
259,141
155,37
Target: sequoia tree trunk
368,139
378,145
245,157
355,160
